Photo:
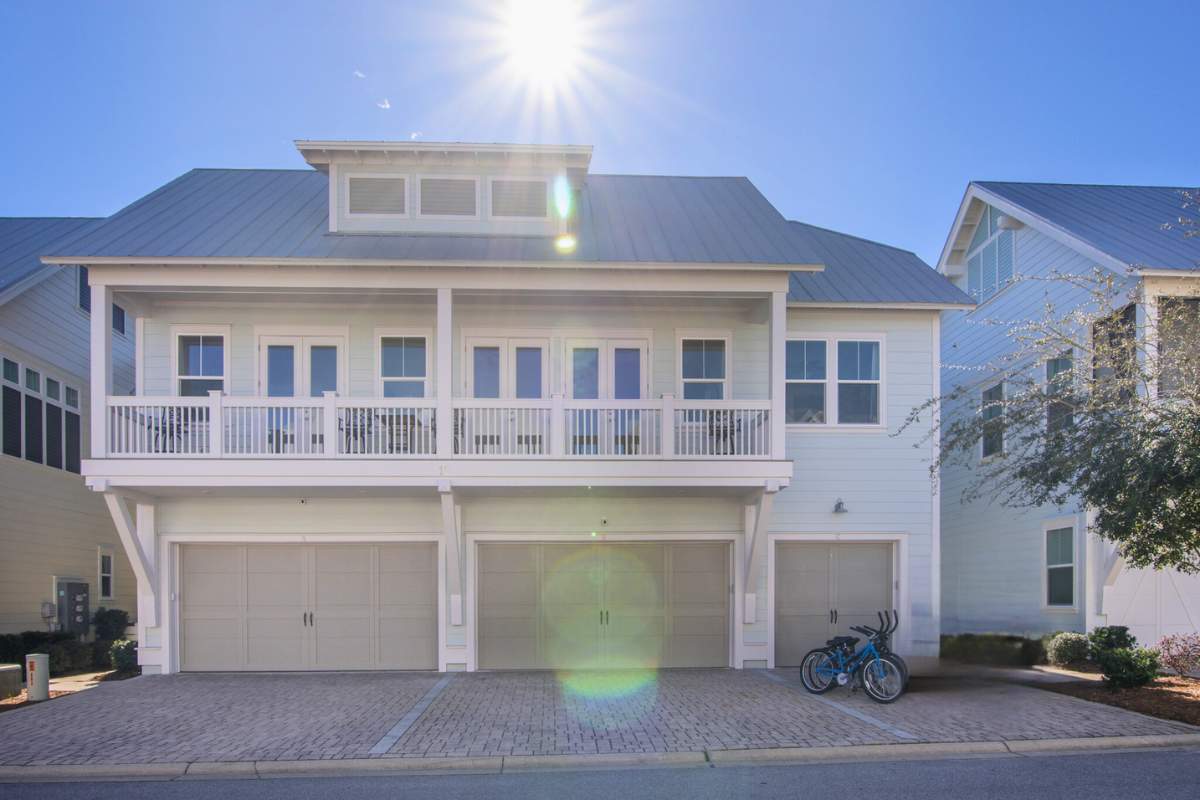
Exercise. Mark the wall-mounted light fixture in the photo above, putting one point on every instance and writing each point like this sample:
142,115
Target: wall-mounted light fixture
839,507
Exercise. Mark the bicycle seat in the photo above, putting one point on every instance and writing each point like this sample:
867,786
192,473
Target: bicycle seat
839,641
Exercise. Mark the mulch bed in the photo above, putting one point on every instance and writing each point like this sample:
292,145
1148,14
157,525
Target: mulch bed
1166,698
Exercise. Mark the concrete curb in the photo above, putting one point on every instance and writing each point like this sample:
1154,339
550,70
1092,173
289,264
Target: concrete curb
228,770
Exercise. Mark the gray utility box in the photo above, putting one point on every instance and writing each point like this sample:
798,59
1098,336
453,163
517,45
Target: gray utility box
10,680
74,612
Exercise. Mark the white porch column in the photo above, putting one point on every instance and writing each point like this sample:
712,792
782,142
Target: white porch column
445,374
778,329
101,367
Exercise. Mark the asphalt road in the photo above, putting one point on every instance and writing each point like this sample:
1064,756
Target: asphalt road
1099,776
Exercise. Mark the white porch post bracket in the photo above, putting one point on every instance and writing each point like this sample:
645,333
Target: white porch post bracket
329,425
668,425
757,519
445,374
101,367
558,426
216,424
454,551
140,558
778,327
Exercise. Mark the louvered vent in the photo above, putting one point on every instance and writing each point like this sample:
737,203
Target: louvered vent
519,199
377,196
447,197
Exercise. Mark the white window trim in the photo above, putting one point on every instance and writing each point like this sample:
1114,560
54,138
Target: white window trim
508,363
85,312
726,382
548,181
606,343
101,551
983,220
124,332
824,382
202,330
1058,523
341,333
463,217
408,195
412,333
986,387
832,380
43,396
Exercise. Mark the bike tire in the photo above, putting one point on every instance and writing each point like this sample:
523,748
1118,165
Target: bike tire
809,679
883,679
901,663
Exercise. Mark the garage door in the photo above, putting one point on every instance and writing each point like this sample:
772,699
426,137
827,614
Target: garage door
603,605
296,607
822,589
1153,603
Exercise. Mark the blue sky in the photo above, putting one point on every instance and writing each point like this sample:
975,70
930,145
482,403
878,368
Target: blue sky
865,117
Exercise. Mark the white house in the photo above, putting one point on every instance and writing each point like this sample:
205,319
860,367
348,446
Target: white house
61,556
460,407
1032,571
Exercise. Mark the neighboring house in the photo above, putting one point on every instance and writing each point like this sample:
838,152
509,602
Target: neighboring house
457,406
57,538
1031,571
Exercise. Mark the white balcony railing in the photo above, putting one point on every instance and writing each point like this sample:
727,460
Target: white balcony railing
335,427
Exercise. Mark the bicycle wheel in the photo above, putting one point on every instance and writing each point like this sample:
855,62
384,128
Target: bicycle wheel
882,679
818,671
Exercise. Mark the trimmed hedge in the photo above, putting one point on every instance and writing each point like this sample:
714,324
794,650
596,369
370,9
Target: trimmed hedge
994,649
1067,648
123,654
110,624
1128,667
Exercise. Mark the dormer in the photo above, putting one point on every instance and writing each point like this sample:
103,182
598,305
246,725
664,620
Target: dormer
449,188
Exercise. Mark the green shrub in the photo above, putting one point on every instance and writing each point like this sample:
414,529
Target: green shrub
1110,637
993,649
110,623
1067,648
69,656
123,654
15,646
1127,667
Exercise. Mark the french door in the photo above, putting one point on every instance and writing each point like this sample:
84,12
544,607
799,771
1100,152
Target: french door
598,372
297,366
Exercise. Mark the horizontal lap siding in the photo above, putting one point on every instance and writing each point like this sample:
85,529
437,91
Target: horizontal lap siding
883,479
992,556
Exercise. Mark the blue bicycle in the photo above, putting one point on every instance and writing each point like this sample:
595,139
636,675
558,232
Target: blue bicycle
882,674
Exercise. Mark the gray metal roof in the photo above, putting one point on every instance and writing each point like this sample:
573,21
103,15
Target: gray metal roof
861,271
1125,222
215,213
23,240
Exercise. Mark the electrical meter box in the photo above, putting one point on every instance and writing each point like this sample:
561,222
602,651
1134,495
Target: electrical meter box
74,611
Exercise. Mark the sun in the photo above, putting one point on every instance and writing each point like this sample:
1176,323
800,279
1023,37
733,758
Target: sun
542,41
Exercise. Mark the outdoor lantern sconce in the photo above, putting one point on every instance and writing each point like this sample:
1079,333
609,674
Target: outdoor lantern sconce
839,507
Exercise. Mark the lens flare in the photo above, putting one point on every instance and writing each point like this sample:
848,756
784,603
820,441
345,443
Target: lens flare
566,243
562,196
542,40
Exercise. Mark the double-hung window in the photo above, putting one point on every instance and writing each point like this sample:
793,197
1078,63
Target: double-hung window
992,410
703,369
858,383
105,570
404,366
1059,378
806,382
200,364
1060,567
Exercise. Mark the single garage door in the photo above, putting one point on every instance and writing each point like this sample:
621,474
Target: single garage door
298,607
822,589
603,605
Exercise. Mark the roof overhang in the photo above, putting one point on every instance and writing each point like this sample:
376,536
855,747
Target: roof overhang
320,153
881,306
673,266
969,214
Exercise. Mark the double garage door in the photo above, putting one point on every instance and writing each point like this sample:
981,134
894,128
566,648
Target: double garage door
297,607
603,605
822,589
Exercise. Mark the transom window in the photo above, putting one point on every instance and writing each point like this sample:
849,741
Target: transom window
1060,567
403,366
806,382
989,257
858,383
703,368
992,410
200,364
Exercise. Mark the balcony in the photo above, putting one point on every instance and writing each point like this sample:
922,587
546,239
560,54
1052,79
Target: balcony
332,427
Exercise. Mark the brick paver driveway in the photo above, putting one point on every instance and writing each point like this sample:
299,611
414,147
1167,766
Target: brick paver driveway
256,717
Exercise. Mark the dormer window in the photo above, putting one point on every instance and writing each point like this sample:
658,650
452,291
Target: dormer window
378,195
989,257
521,199
449,197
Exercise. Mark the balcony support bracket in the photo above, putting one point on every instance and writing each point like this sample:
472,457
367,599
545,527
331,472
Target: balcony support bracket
452,528
137,533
